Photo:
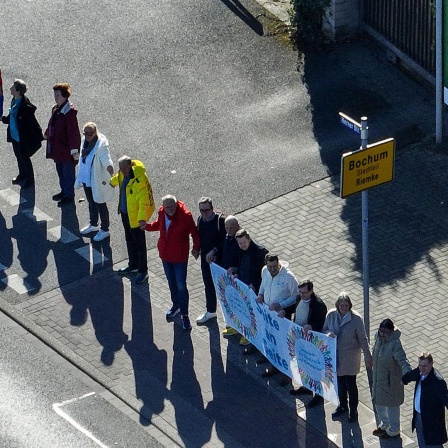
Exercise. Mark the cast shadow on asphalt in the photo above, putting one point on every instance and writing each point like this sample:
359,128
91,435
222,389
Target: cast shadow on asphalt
6,251
239,10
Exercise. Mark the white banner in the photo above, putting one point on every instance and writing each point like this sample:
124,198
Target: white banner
309,358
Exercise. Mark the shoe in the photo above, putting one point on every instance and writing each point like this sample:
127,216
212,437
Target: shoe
301,391
127,270
378,432
65,201
57,197
101,235
270,371
89,229
339,412
17,180
262,360
186,325
205,317
229,331
353,417
317,400
173,311
142,277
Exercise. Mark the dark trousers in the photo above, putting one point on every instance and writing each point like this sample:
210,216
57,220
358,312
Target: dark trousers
210,292
97,210
136,245
26,171
66,174
347,385
176,274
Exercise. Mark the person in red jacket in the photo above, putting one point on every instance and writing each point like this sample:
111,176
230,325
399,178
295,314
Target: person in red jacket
176,224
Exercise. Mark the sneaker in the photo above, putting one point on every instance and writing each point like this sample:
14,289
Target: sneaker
173,311
388,434
142,277
378,432
205,317
101,235
186,325
127,270
57,197
89,229
315,401
229,331
244,341
339,411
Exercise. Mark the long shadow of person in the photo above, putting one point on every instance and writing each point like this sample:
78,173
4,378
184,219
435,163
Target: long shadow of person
239,10
351,435
149,363
31,238
6,250
192,427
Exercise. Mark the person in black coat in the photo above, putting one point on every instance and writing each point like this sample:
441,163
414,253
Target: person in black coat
24,132
430,400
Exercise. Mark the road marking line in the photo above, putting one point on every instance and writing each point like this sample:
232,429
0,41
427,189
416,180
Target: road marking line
91,255
17,283
11,197
74,423
62,234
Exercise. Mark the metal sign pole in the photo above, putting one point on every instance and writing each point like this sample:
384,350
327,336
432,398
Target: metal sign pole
365,235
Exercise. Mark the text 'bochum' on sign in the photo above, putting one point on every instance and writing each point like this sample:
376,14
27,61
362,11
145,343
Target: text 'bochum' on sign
367,168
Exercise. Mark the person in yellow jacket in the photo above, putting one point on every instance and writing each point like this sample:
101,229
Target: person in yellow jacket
135,205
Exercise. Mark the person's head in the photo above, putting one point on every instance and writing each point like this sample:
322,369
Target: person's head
231,224
125,165
243,238
306,289
206,207
425,362
343,303
62,91
386,328
272,264
18,88
90,131
169,203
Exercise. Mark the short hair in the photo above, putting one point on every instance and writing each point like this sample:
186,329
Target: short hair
206,200
125,159
64,88
387,324
169,197
308,283
242,233
343,297
231,218
90,124
426,356
270,258
20,86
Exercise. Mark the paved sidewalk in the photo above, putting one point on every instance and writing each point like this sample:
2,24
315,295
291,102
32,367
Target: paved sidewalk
197,388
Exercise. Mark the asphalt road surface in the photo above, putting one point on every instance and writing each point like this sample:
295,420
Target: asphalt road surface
46,402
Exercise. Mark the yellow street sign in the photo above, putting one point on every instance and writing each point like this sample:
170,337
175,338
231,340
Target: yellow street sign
367,168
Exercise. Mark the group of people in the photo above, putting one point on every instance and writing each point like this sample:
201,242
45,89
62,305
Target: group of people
220,239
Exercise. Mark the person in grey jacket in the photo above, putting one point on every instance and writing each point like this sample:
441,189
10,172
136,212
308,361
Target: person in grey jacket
347,325
389,365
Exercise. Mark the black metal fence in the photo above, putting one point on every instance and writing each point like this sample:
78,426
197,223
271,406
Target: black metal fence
409,25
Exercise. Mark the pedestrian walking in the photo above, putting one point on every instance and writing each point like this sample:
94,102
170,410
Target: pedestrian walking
389,365
63,142
94,172
24,132
430,400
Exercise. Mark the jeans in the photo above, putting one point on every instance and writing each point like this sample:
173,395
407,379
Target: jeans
136,245
26,171
66,173
176,274
390,417
97,210
347,385
210,292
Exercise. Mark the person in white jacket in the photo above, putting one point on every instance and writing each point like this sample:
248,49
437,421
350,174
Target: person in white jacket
95,169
